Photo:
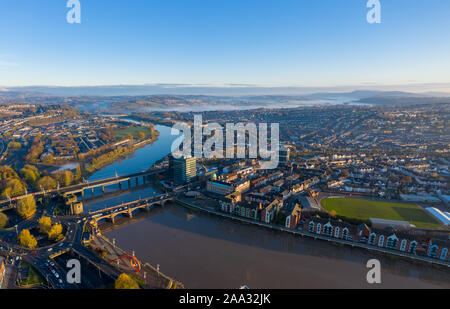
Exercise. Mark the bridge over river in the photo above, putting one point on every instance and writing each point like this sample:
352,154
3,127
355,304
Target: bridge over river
81,188
128,208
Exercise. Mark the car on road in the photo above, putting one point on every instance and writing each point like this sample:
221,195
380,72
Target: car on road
50,249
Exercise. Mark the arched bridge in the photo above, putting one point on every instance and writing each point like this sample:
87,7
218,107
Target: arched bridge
128,208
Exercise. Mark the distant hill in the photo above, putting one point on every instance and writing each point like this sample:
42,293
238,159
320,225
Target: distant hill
118,102
405,100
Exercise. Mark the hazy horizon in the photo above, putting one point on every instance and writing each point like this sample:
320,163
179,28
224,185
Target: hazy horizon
225,90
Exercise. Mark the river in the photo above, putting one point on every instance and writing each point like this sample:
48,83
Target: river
204,251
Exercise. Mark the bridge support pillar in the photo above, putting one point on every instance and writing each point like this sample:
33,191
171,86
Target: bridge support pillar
112,218
103,190
129,214
92,193
137,181
82,194
129,184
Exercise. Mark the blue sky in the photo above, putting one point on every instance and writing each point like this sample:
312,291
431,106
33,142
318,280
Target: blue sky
264,42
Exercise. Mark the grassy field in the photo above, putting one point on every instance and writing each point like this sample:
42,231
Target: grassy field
121,134
364,209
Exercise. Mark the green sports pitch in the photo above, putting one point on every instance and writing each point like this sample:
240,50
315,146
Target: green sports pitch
363,209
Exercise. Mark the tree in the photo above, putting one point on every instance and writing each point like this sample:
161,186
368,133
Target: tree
153,133
55,232
36,149
26,207
45,224
130,140
47,182
125,282
14,146
7,172
141,135
26,239
3,220
48,159
65,178
30,173
13,187
78,173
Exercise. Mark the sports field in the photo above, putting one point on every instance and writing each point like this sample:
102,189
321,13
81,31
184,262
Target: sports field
364,209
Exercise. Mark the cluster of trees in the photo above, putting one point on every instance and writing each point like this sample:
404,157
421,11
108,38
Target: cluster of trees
141,135
153,133
14,146
10,183
53,231
36,149
26,207
3,220
26,239
30,174
125,282
108,158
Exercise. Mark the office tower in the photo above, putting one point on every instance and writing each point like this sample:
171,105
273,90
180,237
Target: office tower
182,170
284,154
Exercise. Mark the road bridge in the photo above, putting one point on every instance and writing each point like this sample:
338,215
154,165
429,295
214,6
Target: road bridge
128,208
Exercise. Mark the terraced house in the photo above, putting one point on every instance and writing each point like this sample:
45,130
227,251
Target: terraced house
414,242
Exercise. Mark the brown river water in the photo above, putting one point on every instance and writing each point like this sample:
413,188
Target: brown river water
205,251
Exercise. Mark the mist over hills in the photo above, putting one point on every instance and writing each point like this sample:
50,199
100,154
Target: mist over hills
230,90
178,97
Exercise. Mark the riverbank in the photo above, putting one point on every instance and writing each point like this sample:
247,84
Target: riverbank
117,154
148,276
383,251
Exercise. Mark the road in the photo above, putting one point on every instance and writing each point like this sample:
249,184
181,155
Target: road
43,258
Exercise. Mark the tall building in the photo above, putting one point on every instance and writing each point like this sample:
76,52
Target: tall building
182,170
284,154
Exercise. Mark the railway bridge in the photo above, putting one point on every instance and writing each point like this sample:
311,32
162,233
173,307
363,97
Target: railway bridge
79,189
